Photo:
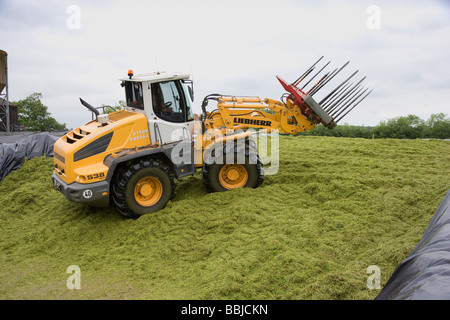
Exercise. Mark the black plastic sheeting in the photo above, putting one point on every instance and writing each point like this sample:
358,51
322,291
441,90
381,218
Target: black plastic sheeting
425,274
12,155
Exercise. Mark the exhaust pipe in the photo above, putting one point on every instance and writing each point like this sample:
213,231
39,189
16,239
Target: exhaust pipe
87,105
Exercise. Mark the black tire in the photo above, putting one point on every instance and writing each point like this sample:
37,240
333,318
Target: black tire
127,179
252,165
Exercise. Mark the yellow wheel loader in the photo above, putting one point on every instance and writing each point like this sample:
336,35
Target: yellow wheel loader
130,158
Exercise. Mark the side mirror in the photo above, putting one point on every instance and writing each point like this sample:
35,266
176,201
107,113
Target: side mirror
190,86
191,92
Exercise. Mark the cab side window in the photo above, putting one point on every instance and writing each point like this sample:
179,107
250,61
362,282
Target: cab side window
134,95
169,101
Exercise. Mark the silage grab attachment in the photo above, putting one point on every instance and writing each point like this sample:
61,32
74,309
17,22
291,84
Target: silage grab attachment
335,105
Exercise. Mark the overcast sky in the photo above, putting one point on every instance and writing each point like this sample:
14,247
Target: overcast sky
71,49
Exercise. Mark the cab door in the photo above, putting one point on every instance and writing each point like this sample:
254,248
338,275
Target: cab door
171,118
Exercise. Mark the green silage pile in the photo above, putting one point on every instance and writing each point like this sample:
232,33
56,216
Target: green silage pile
336,207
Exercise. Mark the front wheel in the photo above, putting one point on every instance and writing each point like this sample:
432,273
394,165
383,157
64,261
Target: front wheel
249,173
143,187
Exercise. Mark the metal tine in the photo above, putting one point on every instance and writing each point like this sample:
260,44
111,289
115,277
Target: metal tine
309,70
331,77
317,83
344,102
316,74
343,98
351,102
324,99
330,104
304,76
354,106
336,95
322,83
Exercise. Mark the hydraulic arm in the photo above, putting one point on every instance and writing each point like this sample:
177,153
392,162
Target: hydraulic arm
252,112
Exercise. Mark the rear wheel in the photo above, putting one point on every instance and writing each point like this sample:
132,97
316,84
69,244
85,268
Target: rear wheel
143,187
246,171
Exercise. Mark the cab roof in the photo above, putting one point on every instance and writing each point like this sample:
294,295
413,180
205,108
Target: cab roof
159,76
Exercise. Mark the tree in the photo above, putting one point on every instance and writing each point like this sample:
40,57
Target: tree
438,126
410,127
34,115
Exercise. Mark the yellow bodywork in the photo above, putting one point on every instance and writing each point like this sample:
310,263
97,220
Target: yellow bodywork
125,130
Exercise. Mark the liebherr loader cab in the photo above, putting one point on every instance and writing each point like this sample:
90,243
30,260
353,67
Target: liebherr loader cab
166,102
131,158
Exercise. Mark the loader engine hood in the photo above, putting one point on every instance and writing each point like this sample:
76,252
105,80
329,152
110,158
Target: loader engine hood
79,155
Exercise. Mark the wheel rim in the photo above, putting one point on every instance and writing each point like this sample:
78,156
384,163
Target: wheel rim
233,176
148,191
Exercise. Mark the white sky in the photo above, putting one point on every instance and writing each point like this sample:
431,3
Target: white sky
231,47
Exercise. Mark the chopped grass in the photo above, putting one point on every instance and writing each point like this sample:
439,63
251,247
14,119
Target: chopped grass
335,207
